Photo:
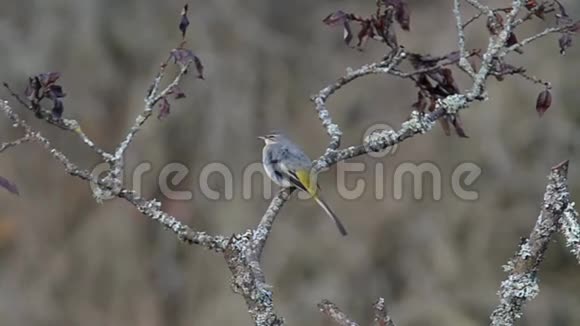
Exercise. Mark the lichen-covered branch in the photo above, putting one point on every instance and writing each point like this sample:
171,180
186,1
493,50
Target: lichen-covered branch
242,251
249,281
263,229
150,208
62,123
152,98
521,285
332,129
382,317
333,312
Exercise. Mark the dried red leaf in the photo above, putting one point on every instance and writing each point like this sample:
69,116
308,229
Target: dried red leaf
561,10
54,91
531,4
176,92
198,67
449,81
336,18
421,103
365,33
57,108
565,41
164,108
494,23
184,21
575,28
403,15
8,185
48,78
511,40
181,56
540,12
445,125
543,102
458,125
383,27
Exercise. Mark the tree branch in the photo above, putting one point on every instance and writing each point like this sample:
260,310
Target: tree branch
333,312
521,285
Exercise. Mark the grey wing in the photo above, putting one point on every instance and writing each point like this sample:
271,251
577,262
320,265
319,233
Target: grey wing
293,159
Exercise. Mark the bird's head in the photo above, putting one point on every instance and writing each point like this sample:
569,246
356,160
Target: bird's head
272,138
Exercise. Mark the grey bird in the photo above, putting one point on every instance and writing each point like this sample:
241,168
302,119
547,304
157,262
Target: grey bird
288,166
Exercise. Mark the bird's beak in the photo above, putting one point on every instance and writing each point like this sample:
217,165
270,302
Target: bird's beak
262,138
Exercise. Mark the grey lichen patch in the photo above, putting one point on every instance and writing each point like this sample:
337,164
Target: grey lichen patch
453,103
571,229
525,250
380,140
514,293
334,130
418,123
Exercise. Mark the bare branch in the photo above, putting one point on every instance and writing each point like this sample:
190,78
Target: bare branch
62,123
333,312
535,37
463,63
320,99
263,229
152,98
382,317
25,139
570,228
249,281
521,285
150,208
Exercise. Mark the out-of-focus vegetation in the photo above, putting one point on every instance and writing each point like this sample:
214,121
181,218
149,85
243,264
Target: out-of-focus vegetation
66,260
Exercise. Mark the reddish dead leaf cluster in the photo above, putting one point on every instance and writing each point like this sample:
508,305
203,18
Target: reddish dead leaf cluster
562,19
543,102
182,57
184,21
436,82
43,87
433,76
379,26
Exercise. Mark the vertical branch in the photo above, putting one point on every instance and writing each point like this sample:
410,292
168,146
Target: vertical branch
463,63
382,317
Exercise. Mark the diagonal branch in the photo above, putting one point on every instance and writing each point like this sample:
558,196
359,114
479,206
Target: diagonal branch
152,98
521,285
150,208
333,312
262,231
62,123
463,54
320,99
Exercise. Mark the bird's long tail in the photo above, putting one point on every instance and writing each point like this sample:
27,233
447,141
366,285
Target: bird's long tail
331,214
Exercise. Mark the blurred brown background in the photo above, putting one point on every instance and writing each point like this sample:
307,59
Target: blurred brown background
66,260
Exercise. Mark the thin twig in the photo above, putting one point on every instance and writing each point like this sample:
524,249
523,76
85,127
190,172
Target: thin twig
150,101
62,123
382,317
463,63
25,139
322,96
150,208
333,312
